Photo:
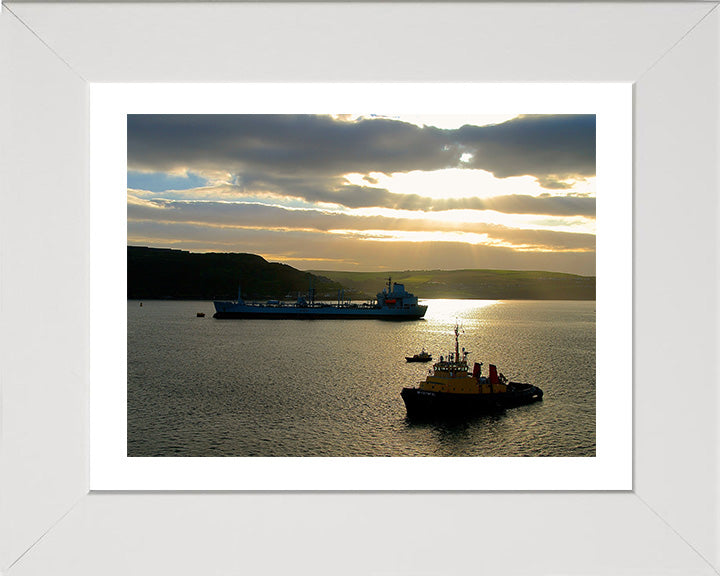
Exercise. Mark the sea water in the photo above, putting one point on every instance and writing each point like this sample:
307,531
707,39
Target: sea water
198,386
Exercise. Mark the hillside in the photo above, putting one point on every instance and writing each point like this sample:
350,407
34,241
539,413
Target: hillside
480,284
155,273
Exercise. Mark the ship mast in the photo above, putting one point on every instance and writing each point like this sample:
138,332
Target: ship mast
457,351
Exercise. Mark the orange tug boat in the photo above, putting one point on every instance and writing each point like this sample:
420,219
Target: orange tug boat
450,389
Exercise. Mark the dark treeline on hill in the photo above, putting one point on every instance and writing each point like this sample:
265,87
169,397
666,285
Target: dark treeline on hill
475,284
156,273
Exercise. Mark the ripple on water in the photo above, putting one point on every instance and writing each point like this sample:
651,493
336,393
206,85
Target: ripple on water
203,387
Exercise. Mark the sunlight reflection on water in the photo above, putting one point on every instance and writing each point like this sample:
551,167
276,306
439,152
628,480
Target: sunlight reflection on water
205,387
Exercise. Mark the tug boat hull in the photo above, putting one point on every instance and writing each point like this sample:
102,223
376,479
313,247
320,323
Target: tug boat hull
428,404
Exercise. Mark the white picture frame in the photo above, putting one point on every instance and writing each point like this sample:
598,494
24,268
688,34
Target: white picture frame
668,523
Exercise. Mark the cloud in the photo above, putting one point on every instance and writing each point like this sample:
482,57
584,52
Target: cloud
245,162
553,148
344,252
353,196
305,150
509,204
212,215
284,143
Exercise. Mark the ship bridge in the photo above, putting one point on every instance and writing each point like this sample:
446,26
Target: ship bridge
396,295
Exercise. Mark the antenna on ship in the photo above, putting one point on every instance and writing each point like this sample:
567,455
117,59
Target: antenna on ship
457,351
311,291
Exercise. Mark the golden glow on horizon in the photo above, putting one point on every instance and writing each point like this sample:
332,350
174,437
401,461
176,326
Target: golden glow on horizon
446,221
455,237
286,258
569,224
414,236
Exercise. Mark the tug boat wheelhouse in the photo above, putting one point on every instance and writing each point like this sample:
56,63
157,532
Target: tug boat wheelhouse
450,389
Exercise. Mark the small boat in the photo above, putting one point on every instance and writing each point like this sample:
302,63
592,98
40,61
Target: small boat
422,357
201,314
450,389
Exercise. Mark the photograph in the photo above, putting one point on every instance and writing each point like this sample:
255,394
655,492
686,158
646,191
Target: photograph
361,285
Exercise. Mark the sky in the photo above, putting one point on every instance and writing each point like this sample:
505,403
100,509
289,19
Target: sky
368,193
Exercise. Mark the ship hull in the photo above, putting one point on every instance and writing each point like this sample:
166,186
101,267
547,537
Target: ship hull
428,404
234,311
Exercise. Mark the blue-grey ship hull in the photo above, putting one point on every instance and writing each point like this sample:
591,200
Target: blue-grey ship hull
320,313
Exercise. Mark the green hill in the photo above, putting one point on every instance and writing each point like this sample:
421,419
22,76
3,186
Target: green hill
480,284
156,273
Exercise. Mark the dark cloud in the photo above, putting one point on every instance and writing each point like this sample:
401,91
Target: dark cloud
305,148
551,148
284,144
239,215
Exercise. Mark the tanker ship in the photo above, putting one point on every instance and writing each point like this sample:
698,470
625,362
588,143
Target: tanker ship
393,303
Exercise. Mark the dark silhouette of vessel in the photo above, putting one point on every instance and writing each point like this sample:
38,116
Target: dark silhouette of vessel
451,390
421,357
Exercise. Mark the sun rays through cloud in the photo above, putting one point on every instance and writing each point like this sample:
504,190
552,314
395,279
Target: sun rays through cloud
368,192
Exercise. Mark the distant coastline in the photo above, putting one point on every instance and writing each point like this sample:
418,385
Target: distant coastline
476,284
166,274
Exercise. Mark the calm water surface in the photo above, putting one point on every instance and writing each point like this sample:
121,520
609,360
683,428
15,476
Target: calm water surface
206,387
